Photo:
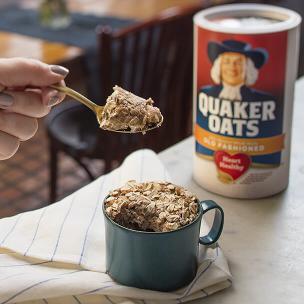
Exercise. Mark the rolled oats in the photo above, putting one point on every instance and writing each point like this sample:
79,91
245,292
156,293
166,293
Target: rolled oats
151,206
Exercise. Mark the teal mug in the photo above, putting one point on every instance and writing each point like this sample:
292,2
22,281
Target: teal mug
162,261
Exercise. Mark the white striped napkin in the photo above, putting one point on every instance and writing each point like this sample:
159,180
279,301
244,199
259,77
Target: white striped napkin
57,254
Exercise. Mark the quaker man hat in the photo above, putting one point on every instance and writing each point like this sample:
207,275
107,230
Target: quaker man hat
259,56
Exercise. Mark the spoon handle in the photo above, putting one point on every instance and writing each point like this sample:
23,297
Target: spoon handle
75,95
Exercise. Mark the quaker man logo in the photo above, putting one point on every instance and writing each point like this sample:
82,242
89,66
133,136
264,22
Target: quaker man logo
231,109
235,67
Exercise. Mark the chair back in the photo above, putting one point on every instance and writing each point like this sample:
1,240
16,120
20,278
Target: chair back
151,59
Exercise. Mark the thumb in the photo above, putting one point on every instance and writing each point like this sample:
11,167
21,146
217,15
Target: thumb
21,72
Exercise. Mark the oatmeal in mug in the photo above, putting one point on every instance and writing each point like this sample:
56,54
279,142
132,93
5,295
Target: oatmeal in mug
152,206
153,234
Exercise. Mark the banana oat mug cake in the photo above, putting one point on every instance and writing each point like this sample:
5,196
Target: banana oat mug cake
152,234
152,206
129,112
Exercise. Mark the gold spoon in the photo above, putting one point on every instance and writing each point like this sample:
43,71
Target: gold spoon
98,110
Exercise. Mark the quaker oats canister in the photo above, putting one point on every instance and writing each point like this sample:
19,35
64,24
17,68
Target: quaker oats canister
245,66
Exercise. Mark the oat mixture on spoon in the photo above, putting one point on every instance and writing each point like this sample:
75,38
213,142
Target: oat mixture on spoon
127,111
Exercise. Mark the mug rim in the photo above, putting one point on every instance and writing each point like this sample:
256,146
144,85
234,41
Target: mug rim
199,216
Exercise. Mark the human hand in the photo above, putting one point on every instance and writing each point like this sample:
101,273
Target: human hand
24,97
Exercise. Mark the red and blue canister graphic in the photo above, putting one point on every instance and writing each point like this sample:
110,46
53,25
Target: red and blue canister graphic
240,99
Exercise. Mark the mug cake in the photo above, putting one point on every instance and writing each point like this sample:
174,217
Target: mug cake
127,111
152,206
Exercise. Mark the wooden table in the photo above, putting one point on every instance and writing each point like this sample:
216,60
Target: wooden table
133,9
15,45
12,45
263,240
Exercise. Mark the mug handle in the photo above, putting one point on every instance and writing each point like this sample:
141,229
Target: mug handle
218,222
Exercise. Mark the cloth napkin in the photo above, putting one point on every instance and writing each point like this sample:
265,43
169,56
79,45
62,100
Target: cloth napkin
57,254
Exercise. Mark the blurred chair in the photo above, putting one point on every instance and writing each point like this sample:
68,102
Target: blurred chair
151,59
